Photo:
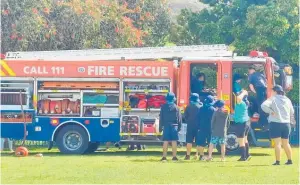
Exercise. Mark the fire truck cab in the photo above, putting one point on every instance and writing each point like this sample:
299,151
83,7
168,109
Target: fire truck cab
220,70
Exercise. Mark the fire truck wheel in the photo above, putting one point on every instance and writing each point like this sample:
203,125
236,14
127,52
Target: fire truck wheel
72,139
92,148
232,144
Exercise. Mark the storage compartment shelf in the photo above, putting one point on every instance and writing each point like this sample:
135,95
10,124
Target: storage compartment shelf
100,105
140,110
59,91
60,115
3,92
100,91
146,91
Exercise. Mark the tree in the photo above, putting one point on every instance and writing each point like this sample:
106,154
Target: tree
29,25
247,25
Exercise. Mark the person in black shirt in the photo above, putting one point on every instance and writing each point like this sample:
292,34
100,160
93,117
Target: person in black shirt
170,122
258,85
191,116
198,83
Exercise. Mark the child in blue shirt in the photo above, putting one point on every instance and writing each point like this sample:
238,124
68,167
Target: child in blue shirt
204,125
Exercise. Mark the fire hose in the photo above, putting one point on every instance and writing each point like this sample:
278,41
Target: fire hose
22,151
24,119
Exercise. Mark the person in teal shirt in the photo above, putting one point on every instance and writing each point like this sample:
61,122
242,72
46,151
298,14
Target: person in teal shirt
242,123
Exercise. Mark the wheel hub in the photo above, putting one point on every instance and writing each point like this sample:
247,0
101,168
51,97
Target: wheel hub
231,142
72,140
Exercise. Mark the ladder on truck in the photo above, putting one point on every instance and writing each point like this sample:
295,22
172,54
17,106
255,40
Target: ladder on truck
219,50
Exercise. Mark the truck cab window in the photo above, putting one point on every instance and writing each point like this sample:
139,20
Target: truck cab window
203,79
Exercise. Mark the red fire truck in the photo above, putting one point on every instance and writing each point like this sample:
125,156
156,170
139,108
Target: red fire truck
78,99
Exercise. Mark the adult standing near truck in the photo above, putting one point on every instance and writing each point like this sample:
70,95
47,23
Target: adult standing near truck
170,122
281,111
242,124
258,85
191,116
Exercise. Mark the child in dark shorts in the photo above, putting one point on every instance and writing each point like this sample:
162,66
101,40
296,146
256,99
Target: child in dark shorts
242,125
204,125
170,123
191,116
219,124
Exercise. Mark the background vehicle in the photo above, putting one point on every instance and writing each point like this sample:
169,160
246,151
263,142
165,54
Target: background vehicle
78,99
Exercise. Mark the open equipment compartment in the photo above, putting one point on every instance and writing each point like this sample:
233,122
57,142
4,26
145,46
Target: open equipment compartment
142,100
83,98
10,92
57,98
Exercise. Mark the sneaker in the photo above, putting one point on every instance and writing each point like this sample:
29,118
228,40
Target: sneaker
163,159
242,159
187,157
276,163
202,158
139,147
289,162
223,159
174,159
248,158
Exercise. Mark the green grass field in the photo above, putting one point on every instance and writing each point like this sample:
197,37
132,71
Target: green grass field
144,167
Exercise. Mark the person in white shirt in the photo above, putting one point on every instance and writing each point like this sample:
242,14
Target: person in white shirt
281,111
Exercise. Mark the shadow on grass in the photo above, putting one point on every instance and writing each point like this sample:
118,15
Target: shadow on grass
118,153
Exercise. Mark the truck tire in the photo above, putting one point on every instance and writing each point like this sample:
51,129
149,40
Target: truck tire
232,145
92,148
72,139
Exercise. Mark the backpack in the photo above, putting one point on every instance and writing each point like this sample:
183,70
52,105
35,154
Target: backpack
156,101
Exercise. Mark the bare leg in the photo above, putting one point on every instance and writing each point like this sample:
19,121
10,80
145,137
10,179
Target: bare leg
188,148
201,150
223,150
196,155
165,148
241,142
277,148
174,148
210,150
287,148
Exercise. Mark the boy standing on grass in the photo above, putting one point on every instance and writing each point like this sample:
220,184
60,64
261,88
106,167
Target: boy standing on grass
204,125
218,129
191,116
170,123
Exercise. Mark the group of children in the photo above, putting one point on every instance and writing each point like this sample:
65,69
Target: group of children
207,125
